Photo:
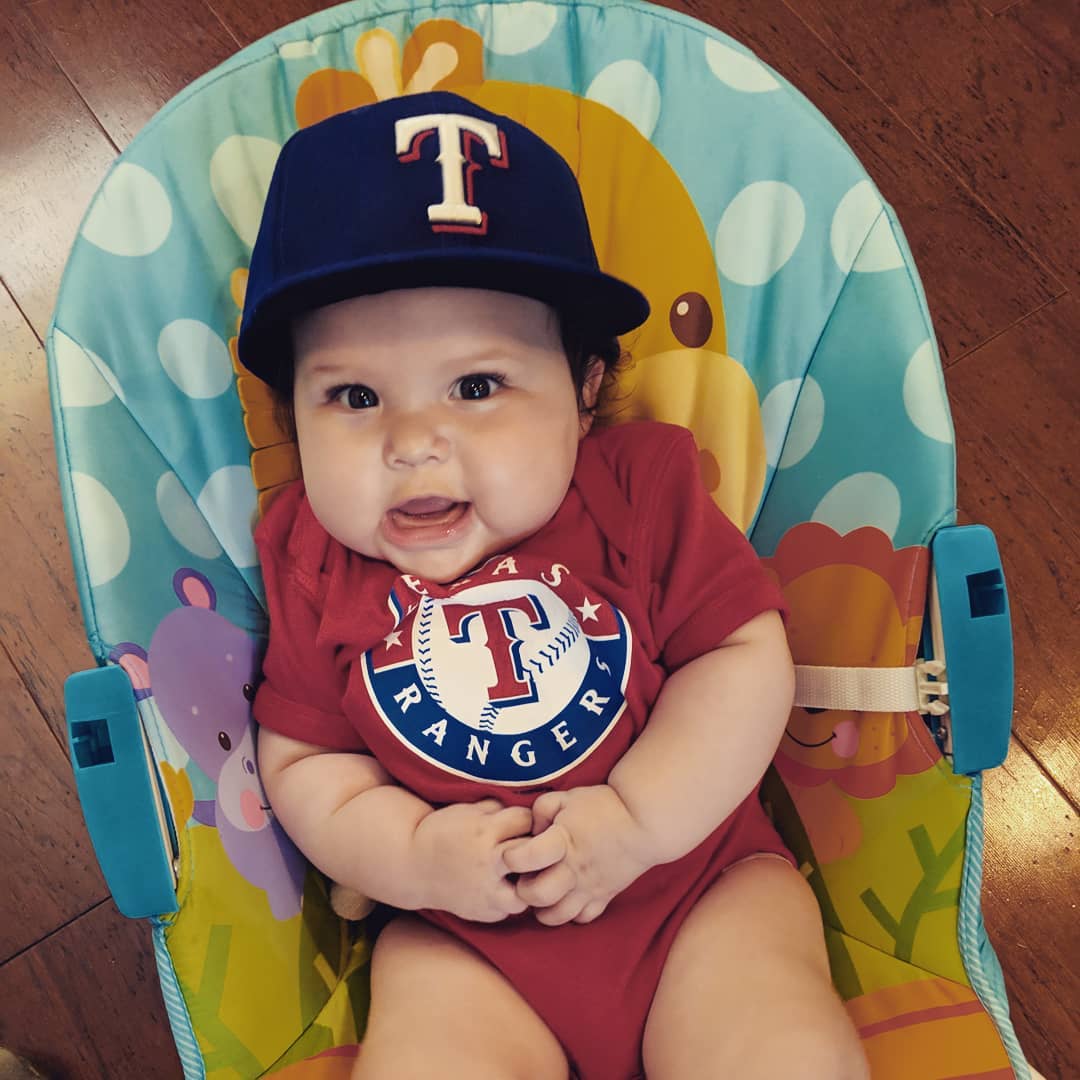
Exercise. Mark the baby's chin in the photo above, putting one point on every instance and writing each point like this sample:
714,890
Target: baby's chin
438,567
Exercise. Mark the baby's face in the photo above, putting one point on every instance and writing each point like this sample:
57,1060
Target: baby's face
436,426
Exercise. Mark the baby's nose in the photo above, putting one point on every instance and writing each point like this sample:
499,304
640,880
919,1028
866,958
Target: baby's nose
415,438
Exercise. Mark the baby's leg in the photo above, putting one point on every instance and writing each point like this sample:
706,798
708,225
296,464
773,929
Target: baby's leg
746,991
440,1009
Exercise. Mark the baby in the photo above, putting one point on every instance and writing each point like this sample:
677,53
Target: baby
523,677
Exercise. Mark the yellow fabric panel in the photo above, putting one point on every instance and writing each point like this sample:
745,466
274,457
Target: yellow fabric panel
247,978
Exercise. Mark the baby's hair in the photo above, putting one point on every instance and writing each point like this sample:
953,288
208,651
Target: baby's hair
583,347
580,345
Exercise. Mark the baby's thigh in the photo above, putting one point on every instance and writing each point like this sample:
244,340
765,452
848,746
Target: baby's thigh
440,1009
746,989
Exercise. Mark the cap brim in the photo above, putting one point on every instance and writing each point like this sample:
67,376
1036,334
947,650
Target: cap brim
604,304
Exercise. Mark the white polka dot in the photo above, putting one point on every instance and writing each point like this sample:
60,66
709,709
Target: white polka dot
862,499
793,436
240,172
228,503
131,215
195,358
924,395
739,71
297,50
83,378
806,424
102,527
861,237
775,414
182,518
629,88
881,251
510,29
759,232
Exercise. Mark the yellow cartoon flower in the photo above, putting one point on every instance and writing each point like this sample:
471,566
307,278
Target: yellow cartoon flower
440,55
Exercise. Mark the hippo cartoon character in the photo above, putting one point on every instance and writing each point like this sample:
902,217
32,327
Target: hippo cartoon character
201,671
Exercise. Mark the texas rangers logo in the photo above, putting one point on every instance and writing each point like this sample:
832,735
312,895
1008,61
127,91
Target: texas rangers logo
457,137
503,681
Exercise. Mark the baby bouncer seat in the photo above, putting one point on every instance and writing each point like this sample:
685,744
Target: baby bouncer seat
789,332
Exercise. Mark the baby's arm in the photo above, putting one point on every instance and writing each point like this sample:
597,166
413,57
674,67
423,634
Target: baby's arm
346,814
711,735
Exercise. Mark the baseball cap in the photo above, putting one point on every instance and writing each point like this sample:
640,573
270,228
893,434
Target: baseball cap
425,189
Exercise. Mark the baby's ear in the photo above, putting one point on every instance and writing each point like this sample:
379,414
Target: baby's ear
590,392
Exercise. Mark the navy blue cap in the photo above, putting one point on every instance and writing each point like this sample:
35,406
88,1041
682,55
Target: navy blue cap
426,189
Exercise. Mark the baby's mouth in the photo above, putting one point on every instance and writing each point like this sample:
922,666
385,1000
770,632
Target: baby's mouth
427,511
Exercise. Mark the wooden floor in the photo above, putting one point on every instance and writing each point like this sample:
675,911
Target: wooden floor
967,115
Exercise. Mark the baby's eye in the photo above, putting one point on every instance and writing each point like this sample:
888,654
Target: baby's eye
475,387
354,396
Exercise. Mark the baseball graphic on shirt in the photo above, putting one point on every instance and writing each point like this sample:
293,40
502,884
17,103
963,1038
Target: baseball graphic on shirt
503,657
512,676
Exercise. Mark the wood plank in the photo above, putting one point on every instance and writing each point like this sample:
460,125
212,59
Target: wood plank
996,7
1051,31
40,623
54,155
1041,556
126,60
249,22
1022,389
1029,902
978,277
86,1003
50,874
999,114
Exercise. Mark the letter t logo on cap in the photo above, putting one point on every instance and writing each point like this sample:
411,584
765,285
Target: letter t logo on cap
456,135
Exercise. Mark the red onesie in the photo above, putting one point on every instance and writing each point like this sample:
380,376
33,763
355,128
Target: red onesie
535,672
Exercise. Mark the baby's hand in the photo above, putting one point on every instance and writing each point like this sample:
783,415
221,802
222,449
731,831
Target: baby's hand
459,854
586,849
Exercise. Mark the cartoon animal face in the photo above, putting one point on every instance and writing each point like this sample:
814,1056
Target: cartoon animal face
240,792
855,602
866,628
201,670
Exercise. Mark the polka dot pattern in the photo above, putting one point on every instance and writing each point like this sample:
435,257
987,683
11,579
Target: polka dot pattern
227,502
759,232
802,403
924,395
84,379
866,498
195,358
182,518
297,50
103,529
512,29
240,172
861,236
737,70
132,215
628,87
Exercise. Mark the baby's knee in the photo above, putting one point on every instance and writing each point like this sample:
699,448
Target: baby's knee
404,1061
829,1052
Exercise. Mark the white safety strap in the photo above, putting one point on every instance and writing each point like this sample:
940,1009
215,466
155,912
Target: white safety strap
863,689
